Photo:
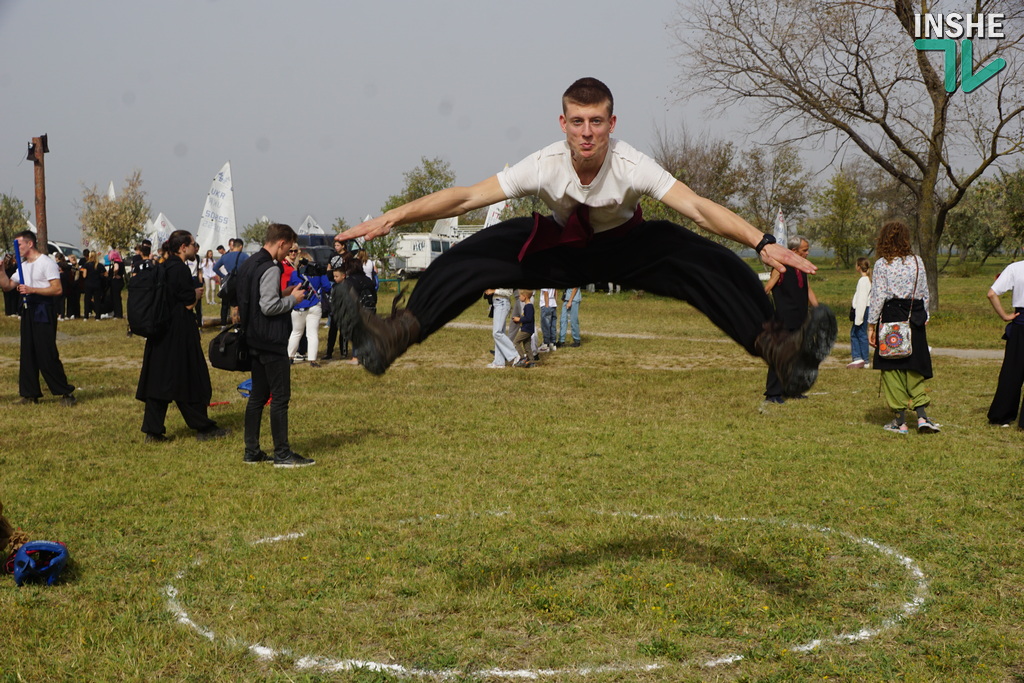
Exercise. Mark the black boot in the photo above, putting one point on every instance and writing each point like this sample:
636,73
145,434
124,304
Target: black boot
796,354
377,341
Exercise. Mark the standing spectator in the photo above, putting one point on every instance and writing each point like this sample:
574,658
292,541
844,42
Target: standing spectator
1006,402
356,279
196,271
115,284
570,316
264,311
225,266
340,254
173,364
11,299
307,313
337,291
504,350
526,329
791,293
210,278
899,291
548,318
38,323
859,349
92,277
72,294
67,286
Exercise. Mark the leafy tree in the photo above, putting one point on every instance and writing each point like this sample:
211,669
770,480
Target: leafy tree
13,219
844,221
255,233
430,176
339,225
980,225
523,206
770,181
119,222
849,70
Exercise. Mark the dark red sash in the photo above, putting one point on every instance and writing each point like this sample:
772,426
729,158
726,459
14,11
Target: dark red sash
577,231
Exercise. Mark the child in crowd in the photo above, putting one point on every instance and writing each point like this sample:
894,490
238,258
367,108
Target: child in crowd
859,312
337,291
548,318
526,329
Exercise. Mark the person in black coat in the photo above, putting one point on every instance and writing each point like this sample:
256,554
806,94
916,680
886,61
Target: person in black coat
173,365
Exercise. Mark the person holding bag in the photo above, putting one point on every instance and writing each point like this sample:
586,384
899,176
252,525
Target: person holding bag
899,295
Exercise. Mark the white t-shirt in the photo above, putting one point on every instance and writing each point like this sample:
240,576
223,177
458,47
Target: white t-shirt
625,176
38,273
1012,277
547,298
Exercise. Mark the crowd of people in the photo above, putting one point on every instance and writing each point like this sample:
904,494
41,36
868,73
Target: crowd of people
595,233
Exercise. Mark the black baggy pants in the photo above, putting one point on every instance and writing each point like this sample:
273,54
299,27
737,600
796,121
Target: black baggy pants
1006,402
39,355
194,414
656,256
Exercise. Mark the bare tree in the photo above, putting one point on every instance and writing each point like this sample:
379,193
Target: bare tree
849,70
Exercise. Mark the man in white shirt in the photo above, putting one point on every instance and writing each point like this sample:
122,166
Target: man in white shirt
593,184
38,323
1006,402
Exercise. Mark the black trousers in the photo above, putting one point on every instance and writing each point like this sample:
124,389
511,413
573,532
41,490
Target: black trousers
116,306
1006,402
657,256
194,414
39,355
271,379
332,335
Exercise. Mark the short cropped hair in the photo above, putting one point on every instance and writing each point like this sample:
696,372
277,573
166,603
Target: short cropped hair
279,231
30,236
588,92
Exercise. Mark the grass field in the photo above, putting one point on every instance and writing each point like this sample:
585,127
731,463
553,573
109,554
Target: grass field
628,510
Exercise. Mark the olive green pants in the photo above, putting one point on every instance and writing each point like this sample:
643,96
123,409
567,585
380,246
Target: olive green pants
904,389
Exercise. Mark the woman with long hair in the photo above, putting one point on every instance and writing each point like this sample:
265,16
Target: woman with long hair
92,275
209,277
899,292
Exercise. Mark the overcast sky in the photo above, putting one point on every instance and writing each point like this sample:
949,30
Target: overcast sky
319,106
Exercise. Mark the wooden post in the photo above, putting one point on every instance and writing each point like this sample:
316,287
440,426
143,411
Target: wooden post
36,149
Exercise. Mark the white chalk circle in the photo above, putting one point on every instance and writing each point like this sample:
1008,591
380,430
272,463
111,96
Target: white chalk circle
912,605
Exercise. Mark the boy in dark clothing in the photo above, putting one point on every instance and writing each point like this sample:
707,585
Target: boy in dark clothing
526,329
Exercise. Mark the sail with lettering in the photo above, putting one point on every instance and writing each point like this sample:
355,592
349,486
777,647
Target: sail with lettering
217,224
310,227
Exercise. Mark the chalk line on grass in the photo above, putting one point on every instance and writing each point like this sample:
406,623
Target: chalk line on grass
329,665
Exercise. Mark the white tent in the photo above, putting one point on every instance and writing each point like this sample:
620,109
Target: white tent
310,227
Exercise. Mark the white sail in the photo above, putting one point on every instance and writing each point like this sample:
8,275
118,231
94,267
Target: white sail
494,213
111,195
217,224
310,227
780,229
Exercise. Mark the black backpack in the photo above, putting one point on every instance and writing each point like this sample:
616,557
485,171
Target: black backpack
148,313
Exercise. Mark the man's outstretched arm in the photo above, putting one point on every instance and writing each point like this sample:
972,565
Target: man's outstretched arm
453,201
721,221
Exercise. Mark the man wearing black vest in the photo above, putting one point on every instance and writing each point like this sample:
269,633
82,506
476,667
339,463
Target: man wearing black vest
792,293
264,311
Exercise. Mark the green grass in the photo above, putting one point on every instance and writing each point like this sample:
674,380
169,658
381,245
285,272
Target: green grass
628,503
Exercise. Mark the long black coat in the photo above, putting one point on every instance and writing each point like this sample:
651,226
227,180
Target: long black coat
174,365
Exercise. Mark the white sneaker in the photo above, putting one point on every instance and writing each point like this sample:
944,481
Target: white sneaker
855,365
494,366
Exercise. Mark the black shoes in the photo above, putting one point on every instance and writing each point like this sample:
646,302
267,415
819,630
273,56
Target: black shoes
216,433
796,354
68,400
27,401
251,458
158,438
377,341
293,459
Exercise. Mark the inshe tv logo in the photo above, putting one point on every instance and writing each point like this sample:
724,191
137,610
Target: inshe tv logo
941,32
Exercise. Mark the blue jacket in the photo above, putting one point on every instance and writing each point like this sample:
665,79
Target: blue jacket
319,285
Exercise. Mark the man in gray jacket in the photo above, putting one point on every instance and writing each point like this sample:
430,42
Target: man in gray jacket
264,311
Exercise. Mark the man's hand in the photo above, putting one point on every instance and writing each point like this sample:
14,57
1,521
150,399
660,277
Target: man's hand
375,227
298,293
778,257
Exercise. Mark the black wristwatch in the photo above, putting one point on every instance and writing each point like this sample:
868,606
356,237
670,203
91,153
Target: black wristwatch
765,241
